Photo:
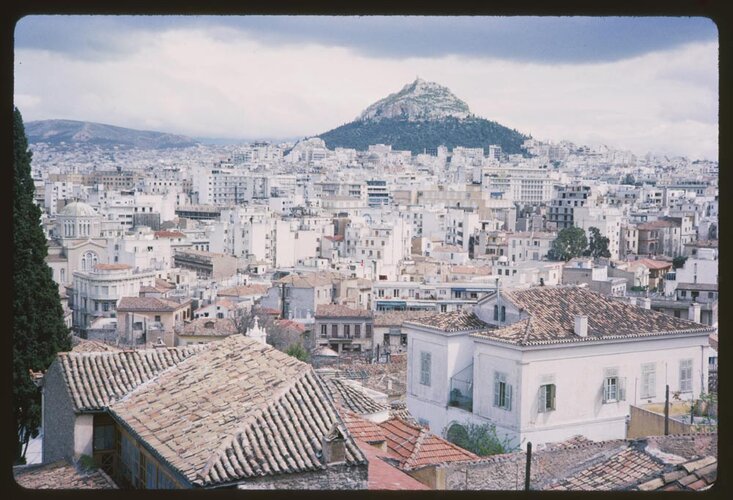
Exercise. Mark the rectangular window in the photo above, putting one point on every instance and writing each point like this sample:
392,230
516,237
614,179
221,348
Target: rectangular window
347,331
324,330
334,330
130,461
547,398
502,392
686,375
104,437
648,380
368,331
614,387
425,363
357,331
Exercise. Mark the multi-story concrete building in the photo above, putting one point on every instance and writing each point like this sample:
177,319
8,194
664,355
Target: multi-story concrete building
343,329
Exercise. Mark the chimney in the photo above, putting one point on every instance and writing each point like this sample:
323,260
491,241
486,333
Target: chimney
693,313
334,446
632,301
645,303
581,325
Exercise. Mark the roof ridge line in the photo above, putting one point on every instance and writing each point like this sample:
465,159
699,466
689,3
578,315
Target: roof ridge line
416,449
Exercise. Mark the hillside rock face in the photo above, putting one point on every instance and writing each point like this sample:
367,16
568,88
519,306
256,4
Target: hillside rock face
419,100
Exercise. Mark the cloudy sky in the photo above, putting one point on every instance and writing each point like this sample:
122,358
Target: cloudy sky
641,84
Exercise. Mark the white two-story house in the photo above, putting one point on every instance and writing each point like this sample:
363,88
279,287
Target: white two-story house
547,363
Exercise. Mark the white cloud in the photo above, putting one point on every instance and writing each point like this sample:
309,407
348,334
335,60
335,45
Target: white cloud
192,82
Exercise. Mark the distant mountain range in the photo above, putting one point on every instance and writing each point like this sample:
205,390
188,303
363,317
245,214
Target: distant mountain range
423,115
78,132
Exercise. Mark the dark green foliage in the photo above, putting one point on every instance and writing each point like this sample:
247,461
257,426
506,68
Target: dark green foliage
570,242
679,262
416,136
38,322
298,351
479,439
598,244
629,180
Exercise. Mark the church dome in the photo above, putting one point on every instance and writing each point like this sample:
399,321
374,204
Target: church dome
77,209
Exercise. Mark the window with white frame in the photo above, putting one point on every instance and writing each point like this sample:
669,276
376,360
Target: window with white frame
614,387
425,366
502,392
546,398
648,380
686,375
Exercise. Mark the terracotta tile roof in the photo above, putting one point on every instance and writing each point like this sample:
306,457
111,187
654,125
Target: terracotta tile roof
237,410
84,345
97,379
338,237
694,475
621,471
452,321
382,475
351,396
151,304
243,291
112,267
162,284
396,318
308,280
339,311
169,234
552,313
290,324
210,327
415,447
361,428
62,475
651,264
656,224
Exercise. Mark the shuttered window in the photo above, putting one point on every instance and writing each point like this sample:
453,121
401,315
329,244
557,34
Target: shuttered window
686,375
546,398
502,392
425,366
648,380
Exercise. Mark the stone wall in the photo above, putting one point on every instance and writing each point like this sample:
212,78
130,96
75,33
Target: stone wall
335,477
58,417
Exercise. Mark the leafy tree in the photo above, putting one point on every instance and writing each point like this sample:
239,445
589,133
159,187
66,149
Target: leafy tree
39,331
598,244
629,180
298,351
480,439
679,262
570,242
278,337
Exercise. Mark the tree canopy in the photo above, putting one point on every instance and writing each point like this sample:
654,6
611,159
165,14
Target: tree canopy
570,242
39,331
480,439
597,244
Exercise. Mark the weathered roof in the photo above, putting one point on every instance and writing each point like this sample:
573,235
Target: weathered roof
700,287
62,475
398,409
382,475
169,234
361,428
150,304
308,280
210,327
694,475
238,410
656,224
84,345
243,291
452,321
97,379
353,397
416,447
651,264
396,318
552,312
622,470
703,244
112,267
340,311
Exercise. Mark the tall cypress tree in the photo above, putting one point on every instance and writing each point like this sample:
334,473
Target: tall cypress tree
39,331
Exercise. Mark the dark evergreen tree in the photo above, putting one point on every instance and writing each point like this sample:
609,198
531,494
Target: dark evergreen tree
39,331
598,244
570,242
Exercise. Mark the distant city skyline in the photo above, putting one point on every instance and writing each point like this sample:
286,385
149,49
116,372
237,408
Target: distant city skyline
639,84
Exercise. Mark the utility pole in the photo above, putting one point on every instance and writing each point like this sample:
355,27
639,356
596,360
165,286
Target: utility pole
666,410
529,466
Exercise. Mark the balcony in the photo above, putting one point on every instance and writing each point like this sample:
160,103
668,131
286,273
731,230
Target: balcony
461,389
